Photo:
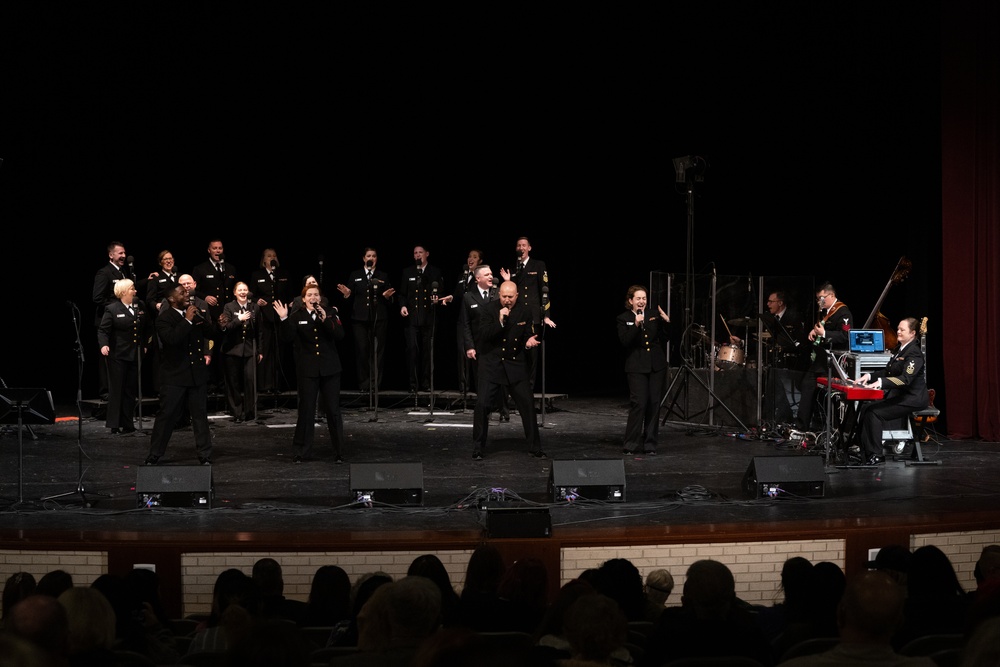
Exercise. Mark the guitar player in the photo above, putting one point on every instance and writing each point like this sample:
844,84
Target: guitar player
904,384
829,332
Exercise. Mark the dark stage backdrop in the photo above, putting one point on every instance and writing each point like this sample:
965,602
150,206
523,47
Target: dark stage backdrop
284,128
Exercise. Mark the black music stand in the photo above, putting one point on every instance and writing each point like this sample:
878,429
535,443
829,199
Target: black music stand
23,406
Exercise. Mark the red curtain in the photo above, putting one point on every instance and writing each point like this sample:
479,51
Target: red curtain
971,218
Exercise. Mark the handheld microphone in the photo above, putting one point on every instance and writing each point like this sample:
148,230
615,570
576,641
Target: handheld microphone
639,313
434,288
545,295
274,264
131,265
369,264
222,261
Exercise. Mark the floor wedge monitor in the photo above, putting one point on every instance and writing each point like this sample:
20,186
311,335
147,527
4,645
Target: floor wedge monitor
588,479
785,476
387,483
175,486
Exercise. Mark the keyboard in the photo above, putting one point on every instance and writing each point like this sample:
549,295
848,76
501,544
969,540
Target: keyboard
851,392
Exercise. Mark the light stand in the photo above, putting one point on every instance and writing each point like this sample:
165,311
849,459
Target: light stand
80,490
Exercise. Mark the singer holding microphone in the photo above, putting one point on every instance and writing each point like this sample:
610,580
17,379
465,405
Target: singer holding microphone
241,351
644,337
314,333
185,356
370,293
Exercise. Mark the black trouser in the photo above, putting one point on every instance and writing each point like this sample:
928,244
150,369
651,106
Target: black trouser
305,426
173,400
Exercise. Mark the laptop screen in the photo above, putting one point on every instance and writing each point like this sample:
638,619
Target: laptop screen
861,341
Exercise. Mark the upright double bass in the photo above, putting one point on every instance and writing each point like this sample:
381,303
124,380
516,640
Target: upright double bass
877,319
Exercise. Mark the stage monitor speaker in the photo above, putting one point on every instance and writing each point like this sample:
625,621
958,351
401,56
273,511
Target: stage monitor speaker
175,486
588,479
785,476
387,483
518,521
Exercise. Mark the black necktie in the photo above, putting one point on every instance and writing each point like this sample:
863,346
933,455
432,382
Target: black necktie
520,266
369,275
131,311
486,295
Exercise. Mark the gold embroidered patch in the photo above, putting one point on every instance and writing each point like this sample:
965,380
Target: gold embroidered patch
911,367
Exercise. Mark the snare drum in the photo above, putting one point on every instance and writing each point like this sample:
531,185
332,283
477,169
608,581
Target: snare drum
729,356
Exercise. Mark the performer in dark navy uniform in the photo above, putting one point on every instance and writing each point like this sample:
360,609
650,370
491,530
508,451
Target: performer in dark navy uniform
644,337
532,279
506,333
905,387
104,293
216,278
184,339
270,282
370,292
122,337
830,331
241,352
466,283
314,333
417,301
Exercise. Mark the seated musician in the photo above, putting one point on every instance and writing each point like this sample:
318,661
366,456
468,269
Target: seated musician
905,390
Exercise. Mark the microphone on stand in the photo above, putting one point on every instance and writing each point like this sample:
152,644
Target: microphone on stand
545,296
222,262
131,266
434,292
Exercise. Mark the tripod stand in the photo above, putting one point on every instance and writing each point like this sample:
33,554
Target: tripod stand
79,490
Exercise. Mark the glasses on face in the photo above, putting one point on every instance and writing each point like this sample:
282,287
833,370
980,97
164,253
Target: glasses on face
822,296
773,301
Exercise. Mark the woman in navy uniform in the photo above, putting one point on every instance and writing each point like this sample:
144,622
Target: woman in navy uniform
241,352
122,338
314,332
644,337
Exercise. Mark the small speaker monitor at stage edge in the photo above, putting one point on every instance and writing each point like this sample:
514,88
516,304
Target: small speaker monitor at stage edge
588,479
785,477
387,484
175,486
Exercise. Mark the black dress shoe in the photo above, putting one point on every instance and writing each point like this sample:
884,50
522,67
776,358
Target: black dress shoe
296,459
339,460
477,455
627,452
151,460
538,454
204,460
875,460
505,416
650,452
238,420
115,431
128,429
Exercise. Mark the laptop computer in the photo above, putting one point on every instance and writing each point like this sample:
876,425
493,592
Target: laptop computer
866,341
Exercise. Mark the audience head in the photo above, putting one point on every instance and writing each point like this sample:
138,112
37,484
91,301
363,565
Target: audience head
413,606
871,609
620,580
485,570
330,593
659,586
595,627
893,559
709,590
931,576
91,620
988,565
41,620
525,582
554,621
54,583
267,575
144,588
796,580
19,586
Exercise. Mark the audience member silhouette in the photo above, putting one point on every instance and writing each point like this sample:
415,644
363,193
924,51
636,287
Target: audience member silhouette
893,559
17,587
597,630
329,597
523,593
796,579
345,633
709,622
236,604
479,602
620,580
936,603
91,627
550,637
270,581
818,616
868,616
982,648
135,631
393,624
42,621
269,643
659,586
430,566
985,600
54,583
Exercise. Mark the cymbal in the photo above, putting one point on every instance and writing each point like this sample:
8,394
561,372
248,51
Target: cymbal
742,321
698,334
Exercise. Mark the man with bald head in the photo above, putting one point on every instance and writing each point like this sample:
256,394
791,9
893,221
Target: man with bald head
41,620
506,334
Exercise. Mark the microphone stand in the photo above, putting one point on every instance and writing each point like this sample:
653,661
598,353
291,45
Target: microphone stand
373,349
80,490
433,309
138,372
545,300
